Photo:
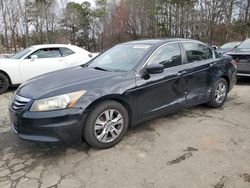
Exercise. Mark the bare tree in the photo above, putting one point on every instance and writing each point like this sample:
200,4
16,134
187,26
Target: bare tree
4,19
27,22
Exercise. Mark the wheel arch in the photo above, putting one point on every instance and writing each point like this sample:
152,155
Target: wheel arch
114,97
228,80
6,74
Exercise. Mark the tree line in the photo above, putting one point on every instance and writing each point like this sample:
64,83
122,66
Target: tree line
108,22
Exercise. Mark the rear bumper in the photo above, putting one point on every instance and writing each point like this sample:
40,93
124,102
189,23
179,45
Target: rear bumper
56,126
243,63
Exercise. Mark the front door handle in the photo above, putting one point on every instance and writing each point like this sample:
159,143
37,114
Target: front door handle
213,64
181,73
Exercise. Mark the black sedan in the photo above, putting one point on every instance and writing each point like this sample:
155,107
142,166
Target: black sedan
128,84
241,55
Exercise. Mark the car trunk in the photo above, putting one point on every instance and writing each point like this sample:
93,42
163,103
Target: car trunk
243,63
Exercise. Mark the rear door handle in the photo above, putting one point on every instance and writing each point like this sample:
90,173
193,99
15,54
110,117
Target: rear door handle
182,73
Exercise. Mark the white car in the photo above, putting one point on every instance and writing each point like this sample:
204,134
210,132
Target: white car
39,59
4,56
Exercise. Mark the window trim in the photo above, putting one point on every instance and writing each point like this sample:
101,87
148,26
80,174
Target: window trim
197,42
146,62
43,49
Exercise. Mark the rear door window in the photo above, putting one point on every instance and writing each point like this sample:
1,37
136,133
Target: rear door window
197,52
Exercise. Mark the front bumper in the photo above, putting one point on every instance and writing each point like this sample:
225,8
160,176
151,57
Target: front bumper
54,126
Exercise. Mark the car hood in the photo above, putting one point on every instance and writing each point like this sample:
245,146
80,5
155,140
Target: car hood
69,80
6,61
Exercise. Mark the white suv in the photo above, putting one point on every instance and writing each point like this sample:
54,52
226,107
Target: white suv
37,60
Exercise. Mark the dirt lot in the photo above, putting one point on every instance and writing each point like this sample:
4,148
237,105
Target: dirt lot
195,148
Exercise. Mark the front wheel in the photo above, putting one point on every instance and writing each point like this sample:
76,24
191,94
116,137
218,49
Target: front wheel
219,93
106,124
4,83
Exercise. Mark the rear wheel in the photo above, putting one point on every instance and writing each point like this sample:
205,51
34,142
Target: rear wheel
4,83
219,93
106,124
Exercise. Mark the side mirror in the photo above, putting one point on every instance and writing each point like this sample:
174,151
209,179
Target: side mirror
33,57
152,69
155,69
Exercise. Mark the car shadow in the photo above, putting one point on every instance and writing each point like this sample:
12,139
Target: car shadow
243,81
10,143
12,89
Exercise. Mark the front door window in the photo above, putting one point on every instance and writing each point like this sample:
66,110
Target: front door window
168,55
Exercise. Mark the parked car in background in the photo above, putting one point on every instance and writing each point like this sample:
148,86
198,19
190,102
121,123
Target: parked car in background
37,60
241,55
4,56
228,47
212,46
124,86
95,54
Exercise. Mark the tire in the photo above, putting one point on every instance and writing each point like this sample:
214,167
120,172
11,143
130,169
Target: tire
106,124
4,83
219,93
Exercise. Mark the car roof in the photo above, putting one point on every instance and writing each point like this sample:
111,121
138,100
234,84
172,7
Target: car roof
72,47
159,41
50,45
233,42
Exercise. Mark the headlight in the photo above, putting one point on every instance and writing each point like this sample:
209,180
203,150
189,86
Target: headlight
57,102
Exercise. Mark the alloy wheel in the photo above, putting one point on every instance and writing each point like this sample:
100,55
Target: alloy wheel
108,125
220,92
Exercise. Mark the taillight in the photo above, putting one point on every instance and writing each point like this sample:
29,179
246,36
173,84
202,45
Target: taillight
234,63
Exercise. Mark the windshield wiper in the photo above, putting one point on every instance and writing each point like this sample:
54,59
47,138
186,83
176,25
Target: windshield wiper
99,68
84,65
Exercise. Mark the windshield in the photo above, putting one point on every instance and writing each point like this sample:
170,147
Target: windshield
21,53
122,57
245,44
230,45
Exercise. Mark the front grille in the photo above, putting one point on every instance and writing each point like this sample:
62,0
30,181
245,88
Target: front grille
15,128
19,103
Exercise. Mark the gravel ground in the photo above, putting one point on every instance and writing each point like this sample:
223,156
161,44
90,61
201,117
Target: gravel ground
194,148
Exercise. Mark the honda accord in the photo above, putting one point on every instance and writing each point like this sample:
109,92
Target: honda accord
130,83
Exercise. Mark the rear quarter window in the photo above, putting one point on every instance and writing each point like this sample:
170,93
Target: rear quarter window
66,52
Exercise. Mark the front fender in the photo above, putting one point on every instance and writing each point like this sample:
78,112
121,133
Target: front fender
127,100
12,69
